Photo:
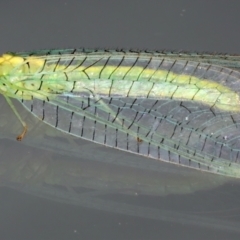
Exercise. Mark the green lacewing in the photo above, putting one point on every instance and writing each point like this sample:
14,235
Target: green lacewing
181,108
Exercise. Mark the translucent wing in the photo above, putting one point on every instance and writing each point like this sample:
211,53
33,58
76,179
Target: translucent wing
178,108
184,133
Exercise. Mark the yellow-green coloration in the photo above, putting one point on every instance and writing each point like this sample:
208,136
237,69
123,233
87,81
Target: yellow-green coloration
178,108
152,83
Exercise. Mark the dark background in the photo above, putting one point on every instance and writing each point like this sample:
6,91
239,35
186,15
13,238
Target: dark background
199,25
188,25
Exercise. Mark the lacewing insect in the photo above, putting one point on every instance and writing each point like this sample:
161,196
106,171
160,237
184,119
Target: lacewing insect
182,108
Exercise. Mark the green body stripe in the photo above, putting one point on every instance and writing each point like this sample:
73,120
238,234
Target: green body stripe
151,77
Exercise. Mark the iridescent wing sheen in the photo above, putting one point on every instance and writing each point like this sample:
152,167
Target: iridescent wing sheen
178,108
183,133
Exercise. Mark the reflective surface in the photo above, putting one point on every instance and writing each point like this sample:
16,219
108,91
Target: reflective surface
52,189
73,173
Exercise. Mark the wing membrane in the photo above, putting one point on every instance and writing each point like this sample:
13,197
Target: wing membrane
175,107
183,133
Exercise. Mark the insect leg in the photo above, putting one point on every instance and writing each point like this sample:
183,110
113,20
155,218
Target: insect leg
20,136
